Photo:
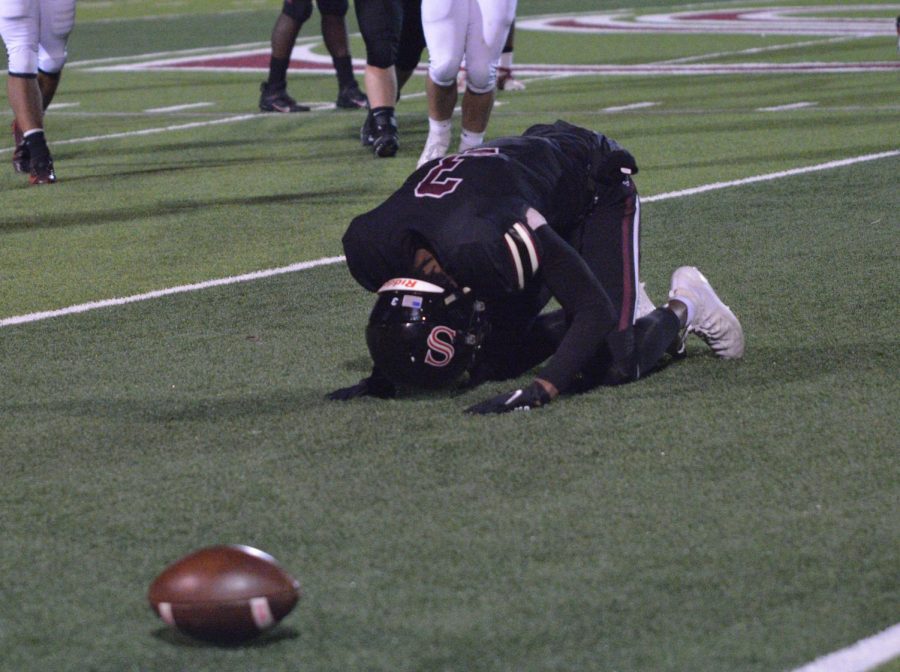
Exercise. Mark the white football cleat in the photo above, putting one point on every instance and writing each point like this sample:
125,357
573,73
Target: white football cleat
506,81
713,321
643,305
434,149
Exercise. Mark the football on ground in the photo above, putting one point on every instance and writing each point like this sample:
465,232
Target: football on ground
224,594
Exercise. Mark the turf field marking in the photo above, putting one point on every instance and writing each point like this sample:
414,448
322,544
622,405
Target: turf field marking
754,21
176,108
60,106
757,50
315,107
151,131
632,106
159,17
327,261
195,287
164,54
159,129
304,59
771,176
789,106
866,654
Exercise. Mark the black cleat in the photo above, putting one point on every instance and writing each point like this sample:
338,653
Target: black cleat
385,135
351,98
276,99
366,133
42,172
21,158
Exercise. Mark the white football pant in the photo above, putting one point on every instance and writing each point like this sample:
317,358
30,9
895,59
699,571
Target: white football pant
472,29
35,33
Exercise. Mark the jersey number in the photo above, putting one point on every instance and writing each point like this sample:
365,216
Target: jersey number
438,182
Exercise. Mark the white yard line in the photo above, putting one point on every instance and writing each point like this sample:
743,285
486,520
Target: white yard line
789,106
160,129
864,655
755,50
176,108
162,17
327,261
169,54
632,106
152,131
181,289
60,106
771,176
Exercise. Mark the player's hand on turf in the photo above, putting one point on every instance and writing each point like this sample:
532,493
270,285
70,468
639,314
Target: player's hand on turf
375,385
533,396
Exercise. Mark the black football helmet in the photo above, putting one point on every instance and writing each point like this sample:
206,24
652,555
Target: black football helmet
423,335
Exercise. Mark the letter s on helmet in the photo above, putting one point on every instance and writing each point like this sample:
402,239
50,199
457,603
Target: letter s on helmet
423,335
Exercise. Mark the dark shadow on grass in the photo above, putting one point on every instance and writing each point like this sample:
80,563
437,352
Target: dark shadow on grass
761,368
124,215
126,168
361,365
768,367
699,375
176,147
162,410
175,638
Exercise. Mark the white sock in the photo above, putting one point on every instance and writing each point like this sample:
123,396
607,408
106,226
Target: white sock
506,60
439,131
32,132
469,139
439,126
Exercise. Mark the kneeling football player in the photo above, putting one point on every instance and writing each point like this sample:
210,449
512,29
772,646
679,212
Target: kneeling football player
467,253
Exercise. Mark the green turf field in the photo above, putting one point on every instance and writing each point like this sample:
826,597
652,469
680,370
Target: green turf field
716,516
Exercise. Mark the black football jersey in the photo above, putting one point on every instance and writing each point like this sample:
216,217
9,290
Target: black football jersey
469,209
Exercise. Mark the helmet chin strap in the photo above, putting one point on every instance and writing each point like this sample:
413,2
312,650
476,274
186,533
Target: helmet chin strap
427,265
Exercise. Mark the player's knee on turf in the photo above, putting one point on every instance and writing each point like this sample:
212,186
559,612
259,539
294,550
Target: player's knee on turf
299,10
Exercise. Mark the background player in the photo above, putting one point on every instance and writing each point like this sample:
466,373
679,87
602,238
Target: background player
495,232
35,33
474,30
392,31
506,81
294,13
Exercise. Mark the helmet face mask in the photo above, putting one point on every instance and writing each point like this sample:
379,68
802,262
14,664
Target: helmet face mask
422,335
